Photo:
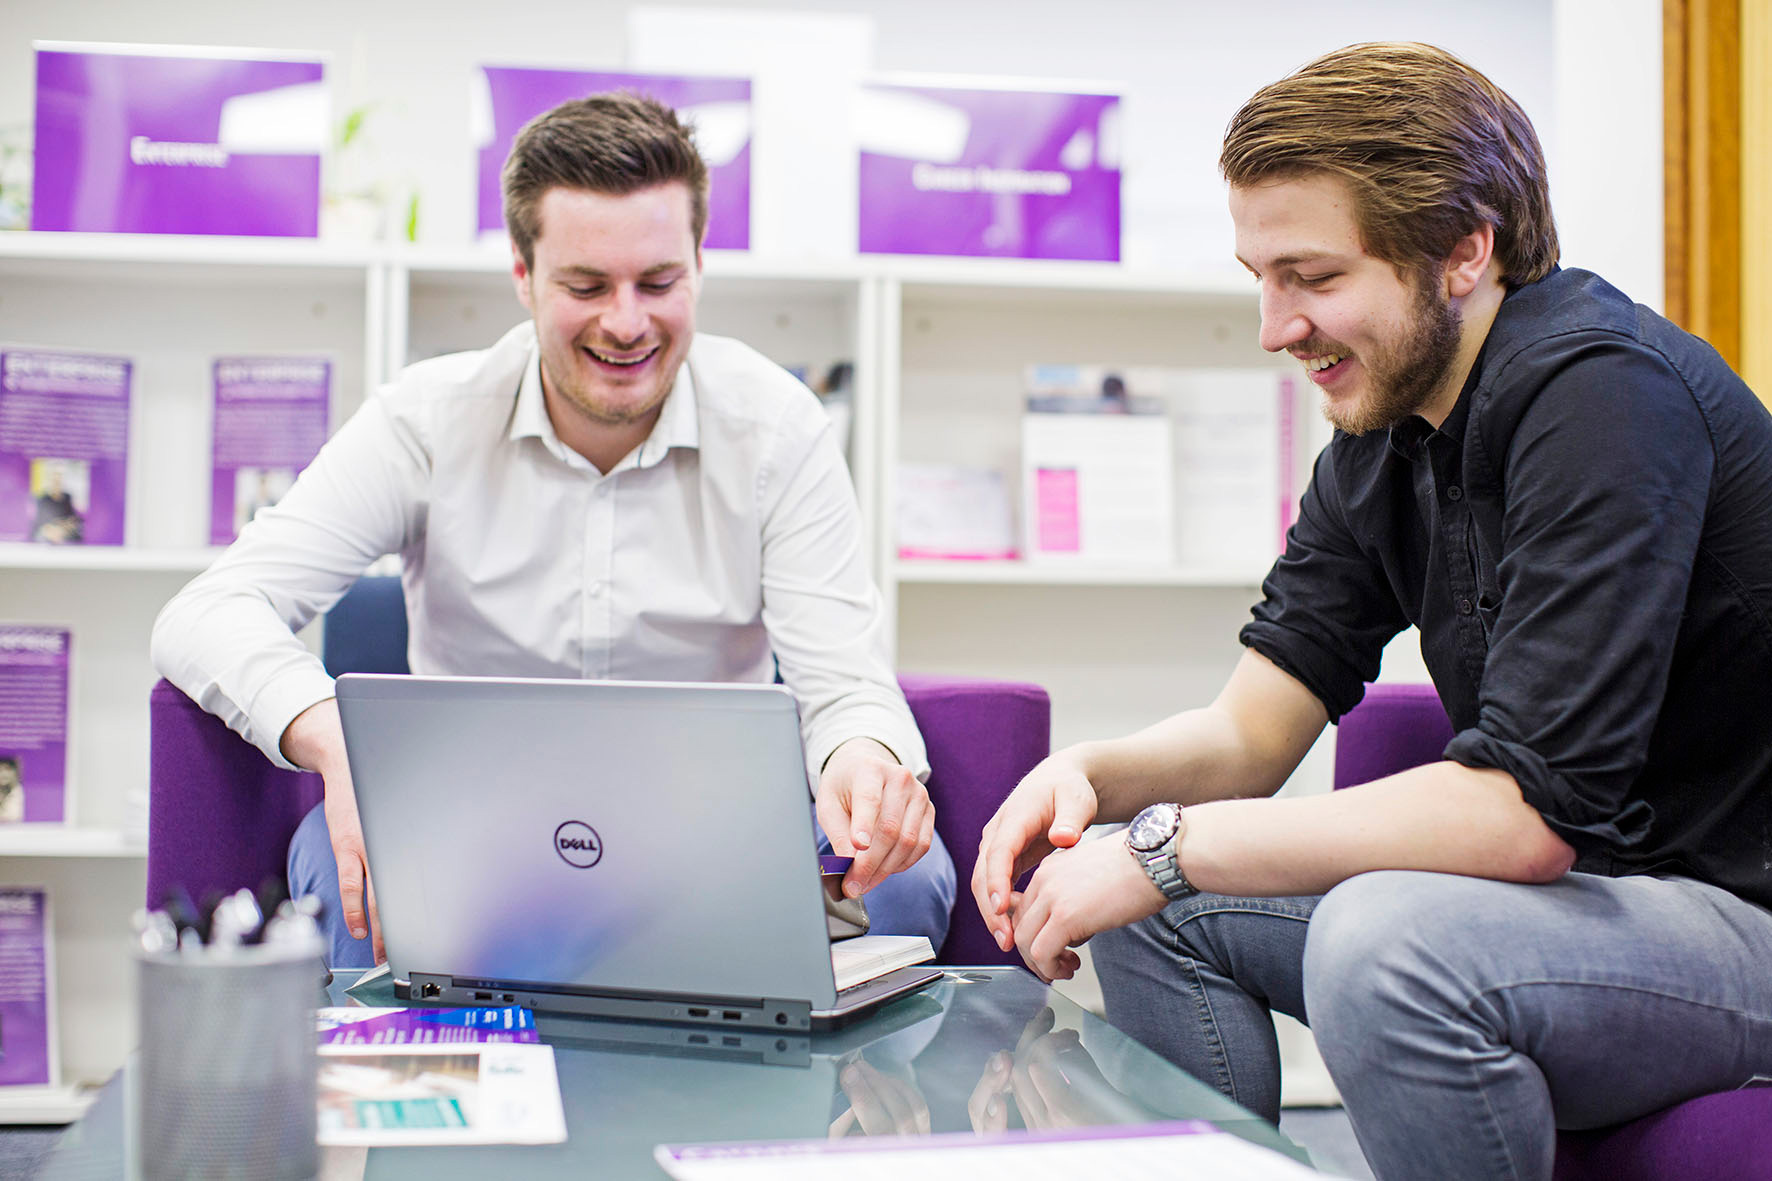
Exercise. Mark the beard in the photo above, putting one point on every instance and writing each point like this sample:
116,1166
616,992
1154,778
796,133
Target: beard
1404,378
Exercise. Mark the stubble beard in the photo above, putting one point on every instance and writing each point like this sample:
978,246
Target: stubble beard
1405,379
577,394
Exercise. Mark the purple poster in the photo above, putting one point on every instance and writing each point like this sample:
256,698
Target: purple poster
270,422
33,724
26,1057
720,108
178,140
1004,173
64,446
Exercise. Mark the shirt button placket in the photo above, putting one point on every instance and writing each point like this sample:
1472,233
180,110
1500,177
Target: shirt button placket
599,628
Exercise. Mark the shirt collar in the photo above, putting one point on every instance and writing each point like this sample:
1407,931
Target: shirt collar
677,425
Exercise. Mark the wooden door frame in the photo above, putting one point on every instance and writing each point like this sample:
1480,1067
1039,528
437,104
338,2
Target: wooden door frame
1717,140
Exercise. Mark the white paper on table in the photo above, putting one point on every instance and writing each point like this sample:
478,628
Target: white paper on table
1185,1149
481,1093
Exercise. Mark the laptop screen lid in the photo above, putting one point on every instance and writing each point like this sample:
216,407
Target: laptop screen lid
592,839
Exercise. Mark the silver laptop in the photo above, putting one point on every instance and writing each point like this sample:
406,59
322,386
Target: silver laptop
618,849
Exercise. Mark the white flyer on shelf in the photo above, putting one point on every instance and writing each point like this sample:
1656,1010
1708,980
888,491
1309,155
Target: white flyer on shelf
1097,463
949,512
1234,457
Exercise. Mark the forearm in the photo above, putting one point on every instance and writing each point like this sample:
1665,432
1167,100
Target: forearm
1443,817
825,618
231,653
1189,758
228,638
1244,744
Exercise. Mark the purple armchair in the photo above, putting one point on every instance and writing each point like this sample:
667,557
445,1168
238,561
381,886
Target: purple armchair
220,815
1717,1137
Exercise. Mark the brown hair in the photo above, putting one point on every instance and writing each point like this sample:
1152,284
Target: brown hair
1430,148
616,143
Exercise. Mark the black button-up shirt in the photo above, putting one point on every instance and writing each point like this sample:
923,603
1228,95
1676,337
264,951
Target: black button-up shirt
1586,546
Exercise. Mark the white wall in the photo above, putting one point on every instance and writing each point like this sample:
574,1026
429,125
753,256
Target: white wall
1587,71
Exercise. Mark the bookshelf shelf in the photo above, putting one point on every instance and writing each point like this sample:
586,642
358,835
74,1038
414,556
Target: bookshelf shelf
115,559
1012,573
287,256
56,840
44,1105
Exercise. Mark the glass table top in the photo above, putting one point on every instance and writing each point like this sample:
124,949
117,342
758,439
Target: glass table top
981,1050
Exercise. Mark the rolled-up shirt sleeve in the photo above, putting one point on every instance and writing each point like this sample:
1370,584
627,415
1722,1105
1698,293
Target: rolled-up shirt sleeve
1327,607
228,638
1594,573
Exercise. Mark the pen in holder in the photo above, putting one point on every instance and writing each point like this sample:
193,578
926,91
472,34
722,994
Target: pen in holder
228,1046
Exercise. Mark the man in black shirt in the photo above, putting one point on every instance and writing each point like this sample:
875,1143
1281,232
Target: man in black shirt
1564,922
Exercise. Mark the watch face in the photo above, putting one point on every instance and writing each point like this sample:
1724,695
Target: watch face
1151,827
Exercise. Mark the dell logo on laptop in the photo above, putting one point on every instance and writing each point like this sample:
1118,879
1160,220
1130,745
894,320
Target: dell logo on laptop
578,844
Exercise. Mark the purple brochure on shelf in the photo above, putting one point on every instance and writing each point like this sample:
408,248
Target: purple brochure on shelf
507,97
178,140
27,1051
1004,173
33,723
270,422
64,445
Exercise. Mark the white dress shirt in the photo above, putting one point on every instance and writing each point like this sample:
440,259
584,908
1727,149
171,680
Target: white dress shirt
728,542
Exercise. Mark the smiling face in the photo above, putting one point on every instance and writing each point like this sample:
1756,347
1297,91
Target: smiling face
613,290
1380,346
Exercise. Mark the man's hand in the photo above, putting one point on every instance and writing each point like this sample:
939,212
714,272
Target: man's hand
1048,810
880,1104
875,811
316,740
1054,1082
1075,893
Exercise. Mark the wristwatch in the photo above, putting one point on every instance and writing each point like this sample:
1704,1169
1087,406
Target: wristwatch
1152,838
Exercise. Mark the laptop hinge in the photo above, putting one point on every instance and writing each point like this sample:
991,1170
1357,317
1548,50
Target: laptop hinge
683,1009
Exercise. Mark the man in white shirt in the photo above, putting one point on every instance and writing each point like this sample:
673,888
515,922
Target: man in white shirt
602,494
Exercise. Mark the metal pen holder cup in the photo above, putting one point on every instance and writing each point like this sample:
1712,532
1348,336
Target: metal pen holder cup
228,1061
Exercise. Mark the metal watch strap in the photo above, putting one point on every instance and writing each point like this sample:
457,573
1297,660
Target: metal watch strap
1164,869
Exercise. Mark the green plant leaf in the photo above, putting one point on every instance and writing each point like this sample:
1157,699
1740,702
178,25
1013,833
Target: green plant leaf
351,126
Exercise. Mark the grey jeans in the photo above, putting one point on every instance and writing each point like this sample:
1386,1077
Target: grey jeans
1463,1020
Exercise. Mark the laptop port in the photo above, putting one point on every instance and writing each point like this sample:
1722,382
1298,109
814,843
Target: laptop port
482,996
781,1018
430,989
732,1041
698,1012
733,1015
698,1039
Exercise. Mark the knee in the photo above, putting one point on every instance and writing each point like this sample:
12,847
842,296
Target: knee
1379,943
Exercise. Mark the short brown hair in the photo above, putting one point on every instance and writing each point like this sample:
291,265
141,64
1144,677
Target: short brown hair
1430,147
615,143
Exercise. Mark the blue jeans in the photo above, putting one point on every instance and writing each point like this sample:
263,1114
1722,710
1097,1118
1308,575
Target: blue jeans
914,902
1463,1020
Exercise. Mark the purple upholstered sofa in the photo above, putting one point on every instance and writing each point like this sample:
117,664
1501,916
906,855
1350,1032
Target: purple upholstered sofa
1722,1137
220,814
